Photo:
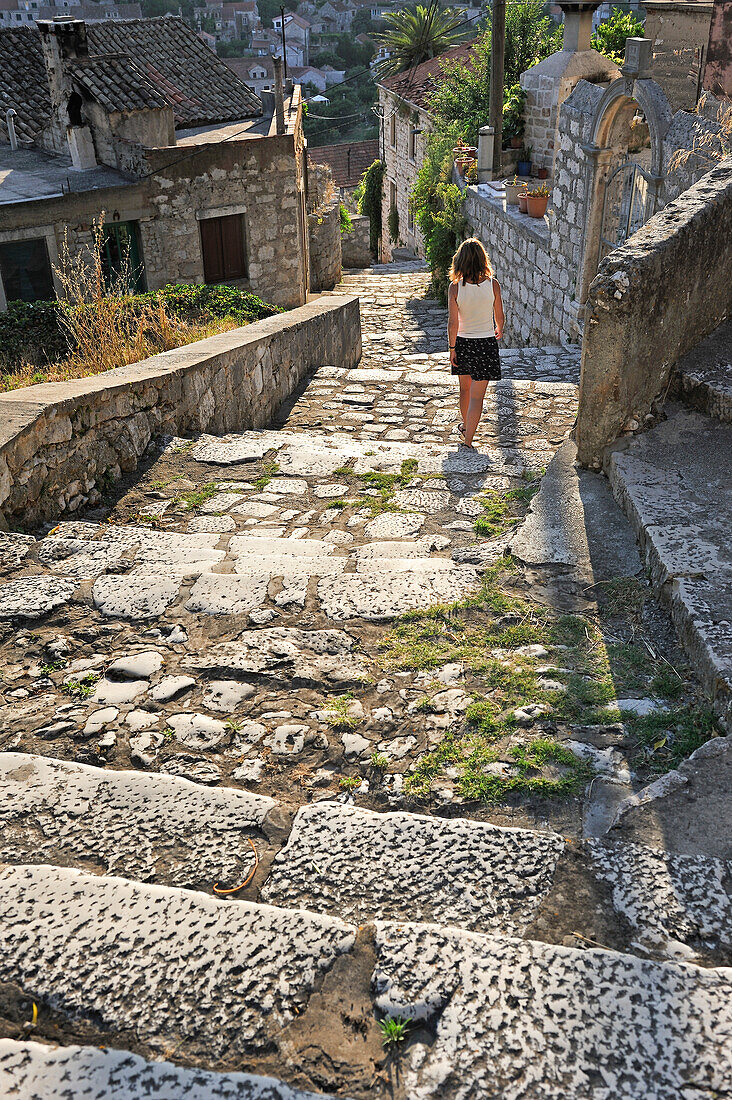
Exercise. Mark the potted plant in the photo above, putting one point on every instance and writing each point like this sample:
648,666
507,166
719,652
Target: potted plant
513,190
542,173
522,200
524,160
513,115
536,201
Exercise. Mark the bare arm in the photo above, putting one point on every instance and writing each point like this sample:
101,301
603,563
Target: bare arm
452,320
498,309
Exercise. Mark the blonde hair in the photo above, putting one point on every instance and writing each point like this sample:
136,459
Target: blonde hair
470,263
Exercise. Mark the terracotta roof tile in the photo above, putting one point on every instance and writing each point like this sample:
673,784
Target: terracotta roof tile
155,61
416,85
348,160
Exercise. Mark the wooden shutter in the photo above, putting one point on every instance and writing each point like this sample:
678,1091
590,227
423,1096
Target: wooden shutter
222,242
213,263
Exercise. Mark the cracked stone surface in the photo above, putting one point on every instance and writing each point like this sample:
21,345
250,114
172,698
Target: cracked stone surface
33,597
343,860
125,823
29,1069
239,972
516,1019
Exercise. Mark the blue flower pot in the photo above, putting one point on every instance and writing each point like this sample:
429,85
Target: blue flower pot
523,168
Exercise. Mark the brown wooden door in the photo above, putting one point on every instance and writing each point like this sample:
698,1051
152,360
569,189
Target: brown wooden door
222,243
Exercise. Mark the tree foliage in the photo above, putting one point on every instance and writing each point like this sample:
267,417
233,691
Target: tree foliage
609,38
437,204
414,35
370,201
531,35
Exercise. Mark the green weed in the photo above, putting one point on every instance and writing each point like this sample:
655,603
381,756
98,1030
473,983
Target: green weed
393,1030
81,688
665,738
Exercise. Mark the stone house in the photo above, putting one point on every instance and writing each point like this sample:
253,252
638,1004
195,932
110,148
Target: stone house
256,72
297,36
20,13
142,122
347,160
405,124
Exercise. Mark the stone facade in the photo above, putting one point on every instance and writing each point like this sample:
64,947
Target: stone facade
679,33
324,233
639,324
403,155
61,440
355,245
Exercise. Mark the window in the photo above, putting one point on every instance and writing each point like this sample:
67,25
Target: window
121,259
222,243
410,218
392,194
412,143
392,131
26,271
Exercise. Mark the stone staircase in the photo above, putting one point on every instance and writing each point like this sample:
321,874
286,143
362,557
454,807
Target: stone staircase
220,981
160,666
675,484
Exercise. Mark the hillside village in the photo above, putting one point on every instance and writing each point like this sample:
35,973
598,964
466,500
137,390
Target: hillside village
343,754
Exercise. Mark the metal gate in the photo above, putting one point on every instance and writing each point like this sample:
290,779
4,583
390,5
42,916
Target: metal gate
625,206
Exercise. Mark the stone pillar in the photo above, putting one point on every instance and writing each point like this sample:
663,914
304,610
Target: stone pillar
486,137
549,83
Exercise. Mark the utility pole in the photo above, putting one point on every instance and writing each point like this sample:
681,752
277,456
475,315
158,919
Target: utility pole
284,43
498,49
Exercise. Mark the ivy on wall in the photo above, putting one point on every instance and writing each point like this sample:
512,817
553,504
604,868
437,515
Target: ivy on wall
393,224
370,201
437,204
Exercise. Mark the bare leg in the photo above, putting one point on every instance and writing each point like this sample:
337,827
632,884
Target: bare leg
465,381
475,409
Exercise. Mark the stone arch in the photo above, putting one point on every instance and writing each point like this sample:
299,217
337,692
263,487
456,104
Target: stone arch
607,148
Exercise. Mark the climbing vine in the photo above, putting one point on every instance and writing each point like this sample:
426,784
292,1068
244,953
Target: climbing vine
371,200
393,224
437,204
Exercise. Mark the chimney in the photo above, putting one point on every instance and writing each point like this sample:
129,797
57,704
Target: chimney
64,40
279,98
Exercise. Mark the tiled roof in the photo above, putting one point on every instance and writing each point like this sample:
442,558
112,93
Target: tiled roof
416,85
243,66
117,84
164,60
348,160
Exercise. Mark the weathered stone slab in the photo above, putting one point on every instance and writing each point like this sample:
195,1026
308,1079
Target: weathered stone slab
286,654
673,897
385,596
134,597
223,976
395,525
245,545
29,1070
514,1019
32,597
458,872
14,548
224,594
152,828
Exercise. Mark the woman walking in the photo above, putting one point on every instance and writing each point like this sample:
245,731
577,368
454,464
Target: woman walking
474,327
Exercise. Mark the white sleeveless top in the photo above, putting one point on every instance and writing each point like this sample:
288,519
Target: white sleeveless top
475,310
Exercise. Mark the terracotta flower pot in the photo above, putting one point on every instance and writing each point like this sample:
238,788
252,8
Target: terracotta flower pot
516,142
522,200
536,205
543,173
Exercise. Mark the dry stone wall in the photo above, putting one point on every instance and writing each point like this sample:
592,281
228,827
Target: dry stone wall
61,441
324,232
355,248
641,320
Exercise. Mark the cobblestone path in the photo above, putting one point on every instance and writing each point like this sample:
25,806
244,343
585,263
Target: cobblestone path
264,642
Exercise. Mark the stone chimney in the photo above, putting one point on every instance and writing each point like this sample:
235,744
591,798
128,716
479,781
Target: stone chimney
549,83
64,40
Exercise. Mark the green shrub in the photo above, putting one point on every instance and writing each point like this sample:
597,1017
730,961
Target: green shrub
346,223
393,224
33,332
370,204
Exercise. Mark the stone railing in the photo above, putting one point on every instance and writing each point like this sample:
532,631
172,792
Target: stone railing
61,441
654,298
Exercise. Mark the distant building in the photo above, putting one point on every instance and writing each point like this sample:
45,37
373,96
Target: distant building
297,36
142,122
347,160
256,72
22,13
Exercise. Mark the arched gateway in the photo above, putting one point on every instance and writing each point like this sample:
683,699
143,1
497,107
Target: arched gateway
624,159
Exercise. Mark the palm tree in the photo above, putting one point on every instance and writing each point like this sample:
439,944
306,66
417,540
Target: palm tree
416,35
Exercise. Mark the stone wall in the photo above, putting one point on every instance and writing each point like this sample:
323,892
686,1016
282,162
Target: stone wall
537,261
401,169
324,234
60,441
355,246
679,31
653,300
261,179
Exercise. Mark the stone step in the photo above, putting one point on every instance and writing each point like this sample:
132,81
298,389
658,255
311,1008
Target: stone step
30,1069
148,827
344,861
491,1016
675,485
219,978
703,377
512,1019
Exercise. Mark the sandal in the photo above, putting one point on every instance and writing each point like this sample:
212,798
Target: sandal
461,430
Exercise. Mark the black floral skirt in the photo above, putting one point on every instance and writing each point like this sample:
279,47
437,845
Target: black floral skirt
478,357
